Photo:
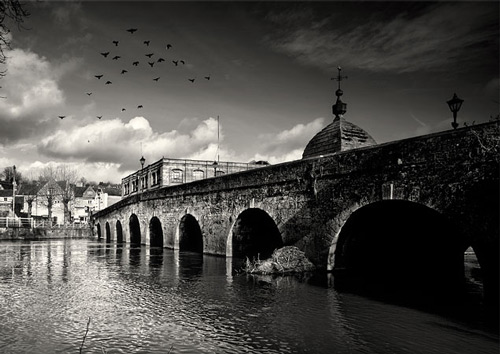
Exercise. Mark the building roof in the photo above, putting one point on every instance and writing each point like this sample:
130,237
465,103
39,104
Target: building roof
5,193
340,135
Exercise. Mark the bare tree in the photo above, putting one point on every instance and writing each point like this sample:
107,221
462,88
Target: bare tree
11,12
60,182
8,174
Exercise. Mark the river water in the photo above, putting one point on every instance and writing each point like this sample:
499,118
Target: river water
72,296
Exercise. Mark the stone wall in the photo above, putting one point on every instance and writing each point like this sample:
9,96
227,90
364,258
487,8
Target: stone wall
453,172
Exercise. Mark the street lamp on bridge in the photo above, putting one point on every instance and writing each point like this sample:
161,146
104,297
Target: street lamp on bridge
455,103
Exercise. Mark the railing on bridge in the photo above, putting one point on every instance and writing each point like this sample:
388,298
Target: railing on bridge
31,223
11,222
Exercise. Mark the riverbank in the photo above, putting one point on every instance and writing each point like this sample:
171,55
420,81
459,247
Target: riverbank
44,233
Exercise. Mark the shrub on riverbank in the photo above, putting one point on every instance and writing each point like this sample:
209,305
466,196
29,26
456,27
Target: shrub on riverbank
288,259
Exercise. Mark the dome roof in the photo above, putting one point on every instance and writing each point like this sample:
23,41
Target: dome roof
340,135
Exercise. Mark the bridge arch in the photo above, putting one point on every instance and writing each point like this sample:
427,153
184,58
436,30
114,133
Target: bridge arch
135,230
99,234
399,246
108,232
189,235
253,234
119,232
155,232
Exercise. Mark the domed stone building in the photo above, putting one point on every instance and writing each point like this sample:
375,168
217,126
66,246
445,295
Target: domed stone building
340,135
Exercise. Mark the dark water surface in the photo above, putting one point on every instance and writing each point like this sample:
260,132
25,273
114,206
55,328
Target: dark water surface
145,300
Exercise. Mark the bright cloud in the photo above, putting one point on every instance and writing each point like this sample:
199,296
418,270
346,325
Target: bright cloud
30,89
288,145
122,143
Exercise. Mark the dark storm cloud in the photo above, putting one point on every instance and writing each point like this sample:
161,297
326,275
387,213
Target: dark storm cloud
404,38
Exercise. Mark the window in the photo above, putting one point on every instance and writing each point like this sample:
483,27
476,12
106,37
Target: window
176,176
198,174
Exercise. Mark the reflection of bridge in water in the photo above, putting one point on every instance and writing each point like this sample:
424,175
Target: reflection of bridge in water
403,211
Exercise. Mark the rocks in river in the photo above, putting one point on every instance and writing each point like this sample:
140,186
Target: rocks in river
288,259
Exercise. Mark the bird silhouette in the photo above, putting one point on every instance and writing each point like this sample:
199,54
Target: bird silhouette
192,80
62,117
151,63
182,62
146,43
176,62
139,106
160,60
124,71
105,54
99,76
135,63
169,46
116,57
156,79
116,43
207,77
108,83
89,93
149,55
123,109
99,117
132,30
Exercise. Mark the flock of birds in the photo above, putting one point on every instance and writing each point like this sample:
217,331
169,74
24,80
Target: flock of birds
151,61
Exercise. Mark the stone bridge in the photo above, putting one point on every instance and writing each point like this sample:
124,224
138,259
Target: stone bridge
408,208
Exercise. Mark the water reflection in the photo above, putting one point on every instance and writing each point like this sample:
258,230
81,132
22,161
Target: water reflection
145,300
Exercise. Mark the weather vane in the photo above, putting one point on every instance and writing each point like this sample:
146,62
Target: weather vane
339,76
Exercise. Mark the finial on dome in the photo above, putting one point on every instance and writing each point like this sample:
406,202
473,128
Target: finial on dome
339,108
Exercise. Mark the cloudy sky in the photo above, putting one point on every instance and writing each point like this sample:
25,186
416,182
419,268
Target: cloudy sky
269,66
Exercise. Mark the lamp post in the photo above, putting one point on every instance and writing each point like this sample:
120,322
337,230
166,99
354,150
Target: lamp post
14,190
455,103
142,160
215,164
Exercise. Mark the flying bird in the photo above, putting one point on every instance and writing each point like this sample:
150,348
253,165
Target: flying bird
105,54
192,80
99,117
108,83
132,30
176,62
116,57
89,93
135,63
124,71
139,106
151,63
98,76
207,77
146,43
156,79
123,109
116,43
160,60
182,62
62,117
149,55
169,46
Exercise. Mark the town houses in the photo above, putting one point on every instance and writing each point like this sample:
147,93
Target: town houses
57,202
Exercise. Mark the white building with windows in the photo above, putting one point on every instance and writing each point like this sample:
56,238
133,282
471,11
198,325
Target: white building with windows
167,172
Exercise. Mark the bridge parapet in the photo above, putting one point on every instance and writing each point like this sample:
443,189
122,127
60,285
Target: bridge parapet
455,173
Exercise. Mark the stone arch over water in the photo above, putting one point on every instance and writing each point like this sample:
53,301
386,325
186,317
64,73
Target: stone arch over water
155,232
135,230
108,232
99,234
397,246
190,235
254,234
119,232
